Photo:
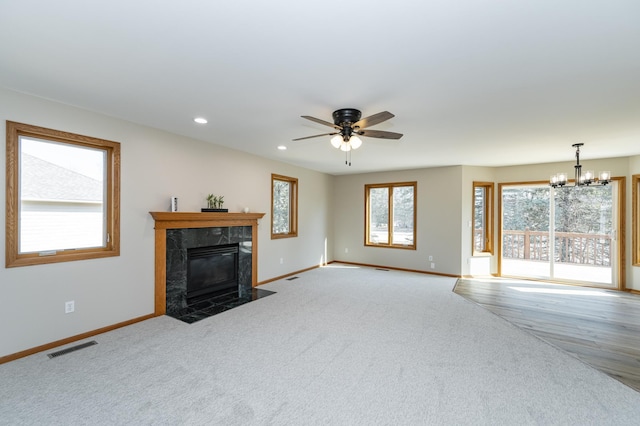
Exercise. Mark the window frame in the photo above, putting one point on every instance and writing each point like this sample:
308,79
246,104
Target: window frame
635,220
390,186
293,203
488,214
13,257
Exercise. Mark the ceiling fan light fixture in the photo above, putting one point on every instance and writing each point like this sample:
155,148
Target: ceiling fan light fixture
346,146
336,141
355,142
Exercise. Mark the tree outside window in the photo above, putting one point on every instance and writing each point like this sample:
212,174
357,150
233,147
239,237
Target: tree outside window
390,215
483,217
284,206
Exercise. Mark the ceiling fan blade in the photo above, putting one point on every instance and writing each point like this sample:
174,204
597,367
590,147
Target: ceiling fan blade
374,119
315,136
317,120
380,134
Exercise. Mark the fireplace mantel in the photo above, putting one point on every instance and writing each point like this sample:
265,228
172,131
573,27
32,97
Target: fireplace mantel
178,220
181,220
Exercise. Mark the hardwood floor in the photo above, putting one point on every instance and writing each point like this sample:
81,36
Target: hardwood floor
600,327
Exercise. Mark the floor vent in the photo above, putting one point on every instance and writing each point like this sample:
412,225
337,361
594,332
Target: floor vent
382,269
72,349
292,278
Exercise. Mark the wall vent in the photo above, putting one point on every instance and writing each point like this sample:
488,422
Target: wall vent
72,349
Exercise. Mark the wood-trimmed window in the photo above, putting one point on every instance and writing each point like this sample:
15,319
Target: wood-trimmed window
390,215
635,238
284,206
482,217
62,196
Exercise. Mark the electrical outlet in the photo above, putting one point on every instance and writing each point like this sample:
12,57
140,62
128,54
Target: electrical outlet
69,306
433,265
346,250
281,260
430,259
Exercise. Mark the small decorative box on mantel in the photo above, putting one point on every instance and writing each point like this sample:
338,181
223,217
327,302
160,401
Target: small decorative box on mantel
203,210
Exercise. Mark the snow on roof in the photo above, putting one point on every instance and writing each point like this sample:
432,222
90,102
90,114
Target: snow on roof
41,180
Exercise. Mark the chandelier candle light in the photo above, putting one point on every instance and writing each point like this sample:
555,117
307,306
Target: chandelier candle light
588,178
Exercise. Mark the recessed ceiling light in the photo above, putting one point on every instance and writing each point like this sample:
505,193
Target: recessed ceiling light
200,120
282,147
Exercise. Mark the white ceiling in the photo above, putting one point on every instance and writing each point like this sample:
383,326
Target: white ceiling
485,83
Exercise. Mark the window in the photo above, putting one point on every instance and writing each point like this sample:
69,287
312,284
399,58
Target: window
63,196
636,219
390,213
284,207
482,217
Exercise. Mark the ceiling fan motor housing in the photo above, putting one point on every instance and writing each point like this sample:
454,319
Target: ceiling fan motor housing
346,115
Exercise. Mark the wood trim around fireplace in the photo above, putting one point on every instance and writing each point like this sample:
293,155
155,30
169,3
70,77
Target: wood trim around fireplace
180,220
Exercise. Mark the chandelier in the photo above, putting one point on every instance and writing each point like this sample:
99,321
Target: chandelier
588,178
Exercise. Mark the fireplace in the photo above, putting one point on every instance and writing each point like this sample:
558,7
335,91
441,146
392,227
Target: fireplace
203,263
211,271
177,232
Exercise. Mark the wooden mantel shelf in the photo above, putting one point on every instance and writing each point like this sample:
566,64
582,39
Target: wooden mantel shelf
177,220
181,220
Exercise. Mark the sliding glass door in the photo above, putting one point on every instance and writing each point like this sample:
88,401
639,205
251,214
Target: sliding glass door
526,216
564,234
584,242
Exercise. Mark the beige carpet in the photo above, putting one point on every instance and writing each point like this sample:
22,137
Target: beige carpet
340,345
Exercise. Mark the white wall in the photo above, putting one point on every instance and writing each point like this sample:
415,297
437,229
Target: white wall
155,166
438,220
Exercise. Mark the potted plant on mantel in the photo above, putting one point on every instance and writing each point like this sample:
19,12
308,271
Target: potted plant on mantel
214,204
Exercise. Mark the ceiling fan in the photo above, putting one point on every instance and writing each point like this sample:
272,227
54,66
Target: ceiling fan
349,126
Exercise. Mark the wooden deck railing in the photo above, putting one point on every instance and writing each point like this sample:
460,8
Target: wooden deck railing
576,248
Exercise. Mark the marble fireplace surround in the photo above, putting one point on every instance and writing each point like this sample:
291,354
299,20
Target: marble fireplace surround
165,221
